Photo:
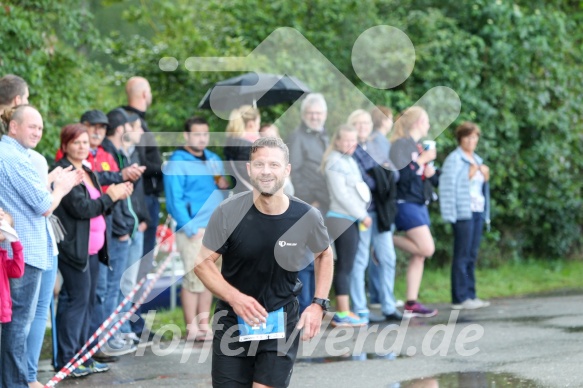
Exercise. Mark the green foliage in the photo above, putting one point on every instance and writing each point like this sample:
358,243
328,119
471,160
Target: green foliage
43,42
516,66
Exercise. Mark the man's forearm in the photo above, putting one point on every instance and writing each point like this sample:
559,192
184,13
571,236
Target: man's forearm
324,273
209,275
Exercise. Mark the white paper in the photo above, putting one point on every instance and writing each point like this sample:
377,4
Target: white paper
8,231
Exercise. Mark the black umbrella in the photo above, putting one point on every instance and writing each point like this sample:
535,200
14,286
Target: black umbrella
257,89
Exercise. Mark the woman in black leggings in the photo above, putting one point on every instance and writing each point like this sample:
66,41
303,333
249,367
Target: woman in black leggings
349,198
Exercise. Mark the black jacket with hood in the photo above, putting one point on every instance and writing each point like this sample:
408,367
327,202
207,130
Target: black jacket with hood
75,212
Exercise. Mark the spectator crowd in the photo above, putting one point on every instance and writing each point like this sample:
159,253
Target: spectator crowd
92,216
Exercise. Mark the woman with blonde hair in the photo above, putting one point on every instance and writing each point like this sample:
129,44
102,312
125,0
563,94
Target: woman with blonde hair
349,197
242,131
373,164
408,156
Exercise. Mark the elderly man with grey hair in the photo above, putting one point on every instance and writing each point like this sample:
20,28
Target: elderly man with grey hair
306,149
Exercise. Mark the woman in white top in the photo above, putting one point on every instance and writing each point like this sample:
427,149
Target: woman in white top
464,201
349,198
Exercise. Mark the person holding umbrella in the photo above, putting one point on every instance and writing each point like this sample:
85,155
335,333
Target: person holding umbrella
242,131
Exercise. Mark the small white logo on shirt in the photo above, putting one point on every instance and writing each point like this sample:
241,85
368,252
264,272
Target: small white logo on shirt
284,244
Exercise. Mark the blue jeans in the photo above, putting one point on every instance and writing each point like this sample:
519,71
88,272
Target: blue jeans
467,237
13,359
130,275
36,335
384,250
108,283
373,281
306,276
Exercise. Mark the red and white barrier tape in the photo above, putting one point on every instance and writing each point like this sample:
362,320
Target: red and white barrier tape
76,361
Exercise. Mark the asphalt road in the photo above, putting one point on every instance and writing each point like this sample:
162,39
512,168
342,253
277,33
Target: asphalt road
523,342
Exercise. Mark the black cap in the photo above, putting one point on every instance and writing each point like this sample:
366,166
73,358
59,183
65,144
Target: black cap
94,117
132,116
116,117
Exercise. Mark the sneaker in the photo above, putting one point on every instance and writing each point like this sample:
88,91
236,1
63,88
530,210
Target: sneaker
468,304
364,315
148,341
115,347
81,371
395,316
483,303
418,310
102,357
350,320
130,338
97,367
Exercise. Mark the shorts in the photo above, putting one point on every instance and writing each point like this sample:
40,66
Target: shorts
189,250
269,362
411,215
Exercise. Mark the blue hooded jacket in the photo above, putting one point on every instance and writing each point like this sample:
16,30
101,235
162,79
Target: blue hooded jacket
191,192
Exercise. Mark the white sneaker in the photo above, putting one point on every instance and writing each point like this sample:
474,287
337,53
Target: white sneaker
482,303
115,347
130,338
468,304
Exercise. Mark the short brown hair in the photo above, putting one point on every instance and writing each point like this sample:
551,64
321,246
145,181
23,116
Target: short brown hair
380,113
11,86
270,142
71,132
465,129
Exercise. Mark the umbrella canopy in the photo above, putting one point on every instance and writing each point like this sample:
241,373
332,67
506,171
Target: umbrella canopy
257,89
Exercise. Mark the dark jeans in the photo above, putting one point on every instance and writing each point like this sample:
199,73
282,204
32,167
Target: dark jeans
306,276
13,356
467,236
344,233
74,311
153,205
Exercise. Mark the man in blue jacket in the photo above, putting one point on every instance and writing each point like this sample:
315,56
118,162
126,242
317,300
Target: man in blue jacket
192,179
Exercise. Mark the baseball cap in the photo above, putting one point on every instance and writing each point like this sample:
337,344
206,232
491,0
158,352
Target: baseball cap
117,117
94,117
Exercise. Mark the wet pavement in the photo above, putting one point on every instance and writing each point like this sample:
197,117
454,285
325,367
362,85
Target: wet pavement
525,342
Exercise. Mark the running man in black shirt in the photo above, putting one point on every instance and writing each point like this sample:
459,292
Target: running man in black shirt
262,235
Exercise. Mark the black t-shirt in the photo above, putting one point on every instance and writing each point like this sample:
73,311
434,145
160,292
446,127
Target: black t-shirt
404,154
262,254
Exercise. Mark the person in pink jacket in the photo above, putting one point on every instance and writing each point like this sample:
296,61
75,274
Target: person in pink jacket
9,268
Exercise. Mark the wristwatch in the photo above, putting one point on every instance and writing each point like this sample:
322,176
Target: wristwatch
324,303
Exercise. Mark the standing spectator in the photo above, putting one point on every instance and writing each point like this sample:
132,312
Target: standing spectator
259,274
242,131
349,198
307,145
85,245
192,178
408,156
130,157
10,268
13,92
105,168
465,202
382,120
125,223
29,203
374,165
139,96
